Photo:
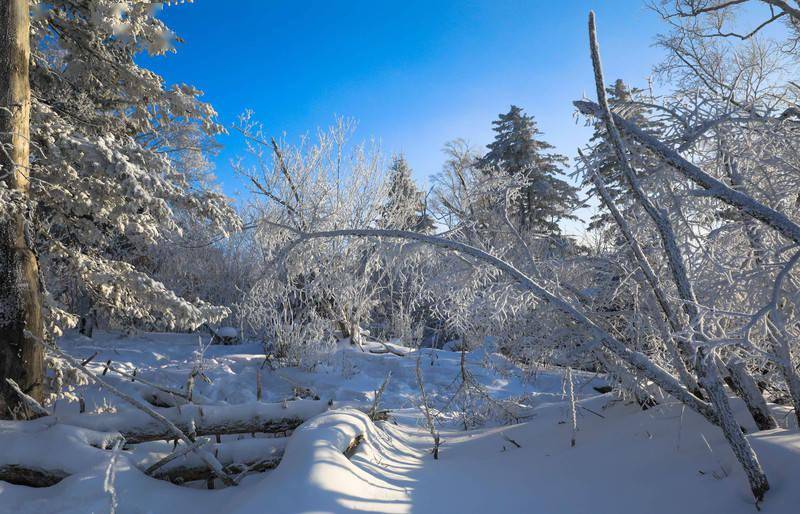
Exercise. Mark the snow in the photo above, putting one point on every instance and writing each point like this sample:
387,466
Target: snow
227,332
663,460
55,446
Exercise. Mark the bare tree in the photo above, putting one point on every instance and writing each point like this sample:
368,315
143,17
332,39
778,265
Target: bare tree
707,371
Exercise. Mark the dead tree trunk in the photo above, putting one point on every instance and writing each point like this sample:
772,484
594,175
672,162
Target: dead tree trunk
21,357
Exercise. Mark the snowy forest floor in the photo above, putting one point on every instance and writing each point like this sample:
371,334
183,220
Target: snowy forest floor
626,460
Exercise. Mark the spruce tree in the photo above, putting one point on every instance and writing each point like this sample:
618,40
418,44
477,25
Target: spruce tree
405,209
627,102
119,166
545,198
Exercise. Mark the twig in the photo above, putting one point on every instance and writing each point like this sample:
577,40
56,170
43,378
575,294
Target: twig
593,412
90,358
161,388
427,412
373,411
573,418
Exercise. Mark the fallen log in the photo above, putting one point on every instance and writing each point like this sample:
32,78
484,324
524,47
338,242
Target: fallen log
237,457
203,420
31,477
144,411
352,448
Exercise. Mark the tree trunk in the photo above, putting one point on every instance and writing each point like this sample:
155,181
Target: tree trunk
746,388
780,346
709,379
21,357
88,320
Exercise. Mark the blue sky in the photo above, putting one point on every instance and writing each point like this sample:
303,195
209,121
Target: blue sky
414,73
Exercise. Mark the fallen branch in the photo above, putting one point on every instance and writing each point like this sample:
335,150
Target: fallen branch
90,358
236,457
162,422
180,452
34,408
161,388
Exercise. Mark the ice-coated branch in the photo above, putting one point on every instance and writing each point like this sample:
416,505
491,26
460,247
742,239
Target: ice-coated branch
650,277
705,364
659,217
716,188
35,408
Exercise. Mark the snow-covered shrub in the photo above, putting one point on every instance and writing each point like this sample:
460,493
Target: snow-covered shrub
323,290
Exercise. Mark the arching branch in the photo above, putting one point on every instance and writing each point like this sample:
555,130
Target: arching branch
636,360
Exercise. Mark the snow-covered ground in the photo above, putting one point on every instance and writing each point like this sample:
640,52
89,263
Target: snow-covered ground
625,460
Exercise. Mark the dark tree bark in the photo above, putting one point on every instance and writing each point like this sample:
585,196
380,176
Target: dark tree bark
21,357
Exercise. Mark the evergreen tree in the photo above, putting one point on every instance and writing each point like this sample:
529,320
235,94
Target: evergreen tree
405,208
119,166
627,102
545,198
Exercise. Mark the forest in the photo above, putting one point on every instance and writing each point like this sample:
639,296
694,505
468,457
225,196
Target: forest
346,336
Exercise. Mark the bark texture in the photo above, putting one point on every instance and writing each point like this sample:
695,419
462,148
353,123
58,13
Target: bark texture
21,358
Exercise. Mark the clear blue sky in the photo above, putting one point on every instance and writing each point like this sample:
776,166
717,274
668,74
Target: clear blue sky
414,73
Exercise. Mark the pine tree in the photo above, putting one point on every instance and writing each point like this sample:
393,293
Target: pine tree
625,101
405,208
544,198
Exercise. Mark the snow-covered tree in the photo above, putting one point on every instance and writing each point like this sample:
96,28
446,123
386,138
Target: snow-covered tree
118,165
405,208
326,291
633,104
544,198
